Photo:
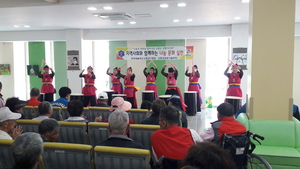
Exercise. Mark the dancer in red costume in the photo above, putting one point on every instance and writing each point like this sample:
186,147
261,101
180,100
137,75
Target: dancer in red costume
129,87
234,80
171,78
117,86
194,83
89,90
47,79
151,79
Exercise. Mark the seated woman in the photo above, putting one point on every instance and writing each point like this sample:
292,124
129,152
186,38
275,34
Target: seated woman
75,109
45,111
156,106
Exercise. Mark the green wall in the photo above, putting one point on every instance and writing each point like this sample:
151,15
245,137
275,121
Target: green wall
36,52
60,65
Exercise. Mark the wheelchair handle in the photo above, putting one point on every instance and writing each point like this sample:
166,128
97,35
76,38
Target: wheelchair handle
257,136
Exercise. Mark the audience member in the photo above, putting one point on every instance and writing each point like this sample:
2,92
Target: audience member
75,109
225,124
121,104
7,124
172,141
45,111
175,101
157,105
102,100
27,150
34,95
16,105
2,104
118,126
207,155
49,130
146,104
64,93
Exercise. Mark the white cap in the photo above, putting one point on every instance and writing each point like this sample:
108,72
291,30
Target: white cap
6,114
103,95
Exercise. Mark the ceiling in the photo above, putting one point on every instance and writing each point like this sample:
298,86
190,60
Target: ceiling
73,14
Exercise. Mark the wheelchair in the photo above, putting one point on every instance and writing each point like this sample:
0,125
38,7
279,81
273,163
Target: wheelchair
241,148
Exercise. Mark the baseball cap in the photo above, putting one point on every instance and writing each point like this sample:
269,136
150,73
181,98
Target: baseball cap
6,114
174,99
120,103
103,95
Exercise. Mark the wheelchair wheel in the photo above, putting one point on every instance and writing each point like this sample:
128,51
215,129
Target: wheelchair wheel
257,162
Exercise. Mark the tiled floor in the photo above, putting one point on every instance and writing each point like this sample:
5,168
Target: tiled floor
202,119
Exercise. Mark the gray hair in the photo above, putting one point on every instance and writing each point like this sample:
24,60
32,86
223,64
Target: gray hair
44,108
118,121
27,149
47,127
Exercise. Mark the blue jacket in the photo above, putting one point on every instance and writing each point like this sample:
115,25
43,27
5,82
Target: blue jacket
61,102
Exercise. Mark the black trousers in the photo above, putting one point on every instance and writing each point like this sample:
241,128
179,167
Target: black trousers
48,97
89,99
131,100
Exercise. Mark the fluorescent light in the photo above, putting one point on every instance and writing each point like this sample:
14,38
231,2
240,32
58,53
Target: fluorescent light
120,23
16,26
237,18
132,22
91,8
175,20
189,20
96,15
164,5
245,1
26,26
107,8
181,4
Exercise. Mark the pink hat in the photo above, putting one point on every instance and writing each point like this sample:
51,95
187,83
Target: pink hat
120,103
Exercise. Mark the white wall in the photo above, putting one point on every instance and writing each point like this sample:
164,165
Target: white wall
296,85
6,57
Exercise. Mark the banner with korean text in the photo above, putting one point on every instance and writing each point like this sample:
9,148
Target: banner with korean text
155,53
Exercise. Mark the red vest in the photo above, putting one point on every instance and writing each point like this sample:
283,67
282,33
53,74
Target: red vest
114,80
172,142
193,78
47,78
88,79
171,80
128,81
234,79
151,78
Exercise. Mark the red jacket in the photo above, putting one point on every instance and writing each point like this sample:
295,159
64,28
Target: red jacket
33,102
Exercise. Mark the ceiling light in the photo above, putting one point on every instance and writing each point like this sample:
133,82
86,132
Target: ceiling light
175,20
245,1
181,4
132,22
189,20
96,15
16,26
237,18
107,8
120,23
92,8
164,5
26,26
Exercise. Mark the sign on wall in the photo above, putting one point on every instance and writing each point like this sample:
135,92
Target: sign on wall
155,53
32,70
73,59
5,69
239,56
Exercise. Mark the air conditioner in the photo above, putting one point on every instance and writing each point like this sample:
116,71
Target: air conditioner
114,16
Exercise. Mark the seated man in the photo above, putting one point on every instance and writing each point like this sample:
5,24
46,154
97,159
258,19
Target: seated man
49,130
75,109
172,141
64,94
27,150
45,110
7,124
175,101
225,124
102,100
16,105
118,126
156,106
34,95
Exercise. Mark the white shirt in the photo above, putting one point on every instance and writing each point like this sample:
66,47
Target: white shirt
4,135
